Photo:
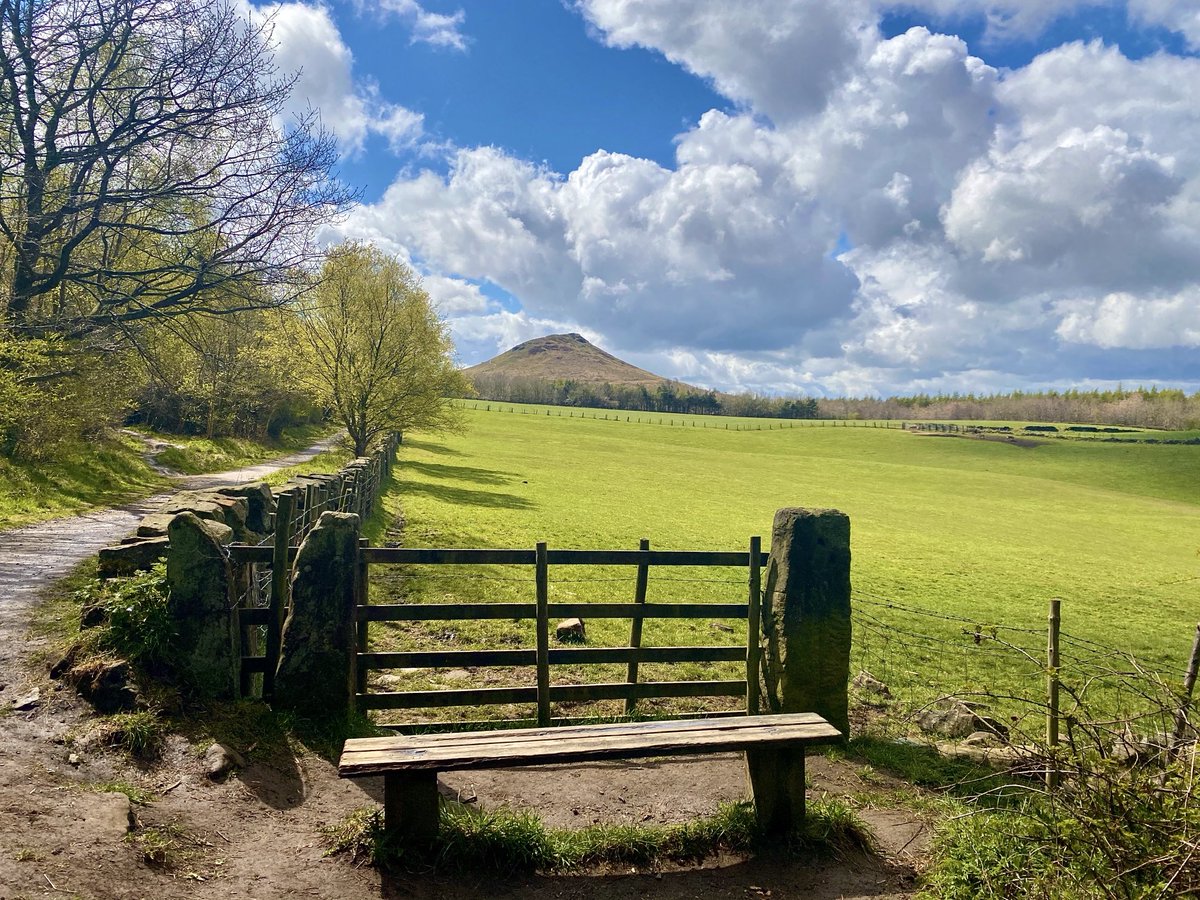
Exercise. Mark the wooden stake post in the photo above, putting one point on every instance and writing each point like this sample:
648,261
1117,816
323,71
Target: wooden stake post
1052,664
635,629
542,579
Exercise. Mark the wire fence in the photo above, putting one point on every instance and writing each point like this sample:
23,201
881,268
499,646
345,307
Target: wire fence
1022,683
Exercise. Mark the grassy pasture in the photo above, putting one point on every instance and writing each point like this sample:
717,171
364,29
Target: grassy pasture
957,527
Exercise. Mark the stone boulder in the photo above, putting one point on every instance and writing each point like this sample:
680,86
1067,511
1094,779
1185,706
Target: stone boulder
109,686
202,606
316,673
571,631
956,718
127,558
260,505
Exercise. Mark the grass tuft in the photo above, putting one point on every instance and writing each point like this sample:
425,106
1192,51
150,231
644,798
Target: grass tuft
510,842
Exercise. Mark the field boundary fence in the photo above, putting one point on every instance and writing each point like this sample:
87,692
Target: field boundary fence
543,657
676,420
1048,687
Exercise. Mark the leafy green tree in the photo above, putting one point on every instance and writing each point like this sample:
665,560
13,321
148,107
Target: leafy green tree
380,356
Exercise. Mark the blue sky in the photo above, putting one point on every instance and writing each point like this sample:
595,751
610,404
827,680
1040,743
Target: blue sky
787,196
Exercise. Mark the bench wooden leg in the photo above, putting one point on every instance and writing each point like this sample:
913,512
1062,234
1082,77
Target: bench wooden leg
777,781
410,806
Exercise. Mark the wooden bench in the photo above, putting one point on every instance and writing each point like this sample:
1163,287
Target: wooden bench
774,747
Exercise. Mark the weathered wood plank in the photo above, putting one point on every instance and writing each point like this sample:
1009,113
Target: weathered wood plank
463,697
464,557
418,612
467,557
253,664
422,612
606,730
542,578
753,628
438,659
561,693
646,690
650,610
483,725
635,628
519,750
410,806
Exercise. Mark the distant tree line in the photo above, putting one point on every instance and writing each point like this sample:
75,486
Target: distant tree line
664,397
1140,407
1137,407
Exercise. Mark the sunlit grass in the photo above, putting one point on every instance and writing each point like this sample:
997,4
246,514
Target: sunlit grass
980,529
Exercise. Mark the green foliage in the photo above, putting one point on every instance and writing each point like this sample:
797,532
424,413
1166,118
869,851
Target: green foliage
197,455
138,624
1111,830
54,392
227,375
506,841
380,357
137,795
140,733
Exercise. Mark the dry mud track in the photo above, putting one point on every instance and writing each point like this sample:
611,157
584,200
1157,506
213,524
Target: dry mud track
64,833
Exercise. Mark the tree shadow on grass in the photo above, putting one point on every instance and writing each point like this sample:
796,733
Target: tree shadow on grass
430,448
466,496
461,473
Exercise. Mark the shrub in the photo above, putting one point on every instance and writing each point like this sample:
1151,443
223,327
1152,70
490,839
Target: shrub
137,624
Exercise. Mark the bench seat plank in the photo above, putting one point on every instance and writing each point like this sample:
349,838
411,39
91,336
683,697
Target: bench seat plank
583,743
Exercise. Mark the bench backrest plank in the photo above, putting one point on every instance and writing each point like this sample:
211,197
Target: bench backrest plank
583,743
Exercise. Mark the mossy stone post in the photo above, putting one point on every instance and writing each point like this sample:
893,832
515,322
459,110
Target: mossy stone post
316,673
203,606
806,624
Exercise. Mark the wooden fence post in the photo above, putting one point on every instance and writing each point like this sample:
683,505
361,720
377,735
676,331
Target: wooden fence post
635,629
280,576
542,581
1052,661
753,627
364,598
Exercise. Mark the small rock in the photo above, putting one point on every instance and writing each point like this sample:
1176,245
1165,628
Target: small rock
457,675
571,631
956,719
103,818
74,759
869,684
32,700
982,739
220,760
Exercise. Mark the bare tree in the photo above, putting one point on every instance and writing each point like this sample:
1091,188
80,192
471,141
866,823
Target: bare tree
146,167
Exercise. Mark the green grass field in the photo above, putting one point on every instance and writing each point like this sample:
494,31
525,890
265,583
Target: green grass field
948,526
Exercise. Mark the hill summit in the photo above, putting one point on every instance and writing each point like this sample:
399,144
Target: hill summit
565,357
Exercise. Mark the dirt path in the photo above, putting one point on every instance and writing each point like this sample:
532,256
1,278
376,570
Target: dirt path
65,833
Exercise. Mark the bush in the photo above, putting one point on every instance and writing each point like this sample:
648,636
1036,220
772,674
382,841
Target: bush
136,625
